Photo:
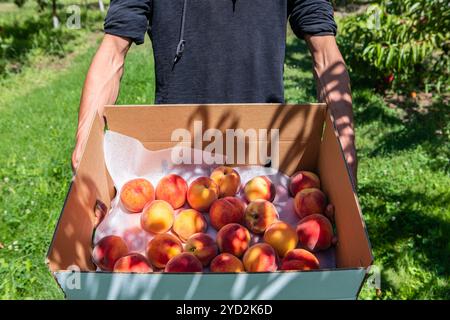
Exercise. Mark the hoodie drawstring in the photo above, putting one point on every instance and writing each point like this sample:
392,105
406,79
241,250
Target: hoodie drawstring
182,42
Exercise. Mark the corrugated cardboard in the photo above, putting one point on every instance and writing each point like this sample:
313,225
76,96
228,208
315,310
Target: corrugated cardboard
308,141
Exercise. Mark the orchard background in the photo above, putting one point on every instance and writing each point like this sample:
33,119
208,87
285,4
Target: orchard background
398,56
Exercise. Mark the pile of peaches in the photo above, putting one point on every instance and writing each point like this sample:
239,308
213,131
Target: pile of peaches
179,240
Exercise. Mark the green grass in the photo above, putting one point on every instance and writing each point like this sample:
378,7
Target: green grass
38,117
403,178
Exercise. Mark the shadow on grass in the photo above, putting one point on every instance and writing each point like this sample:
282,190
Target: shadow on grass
403,219
298,57
427,129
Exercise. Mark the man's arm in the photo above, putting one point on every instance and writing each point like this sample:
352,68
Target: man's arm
333,83
101,86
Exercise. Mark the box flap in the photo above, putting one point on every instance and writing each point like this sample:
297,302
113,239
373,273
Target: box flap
71,244
353,249
300,126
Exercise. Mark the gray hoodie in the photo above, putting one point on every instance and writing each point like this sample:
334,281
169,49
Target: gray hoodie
218,51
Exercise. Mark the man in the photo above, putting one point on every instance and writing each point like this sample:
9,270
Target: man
219,51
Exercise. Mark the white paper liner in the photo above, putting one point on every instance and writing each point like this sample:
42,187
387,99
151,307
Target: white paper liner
126,159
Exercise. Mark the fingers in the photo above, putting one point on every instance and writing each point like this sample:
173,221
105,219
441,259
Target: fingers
329,212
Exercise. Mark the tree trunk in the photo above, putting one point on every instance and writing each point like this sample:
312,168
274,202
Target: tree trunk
101,5
54,15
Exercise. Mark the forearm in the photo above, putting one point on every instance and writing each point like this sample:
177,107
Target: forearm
333,87
102,82
333,84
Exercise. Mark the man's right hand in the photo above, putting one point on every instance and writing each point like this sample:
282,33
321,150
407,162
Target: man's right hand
101,87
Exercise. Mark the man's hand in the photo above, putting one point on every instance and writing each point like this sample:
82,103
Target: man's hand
101,87
333,87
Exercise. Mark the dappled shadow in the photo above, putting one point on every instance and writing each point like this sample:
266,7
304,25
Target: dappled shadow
426,129
298,57
402,218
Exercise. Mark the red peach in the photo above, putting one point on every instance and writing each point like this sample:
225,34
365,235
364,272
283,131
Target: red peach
134,263
184,262
233,238
135,194
157,217
226,210
202,192
226,262
259,188
303,180
299,259
260,258
172,188
203,247
162,248
259,215
107,251
228,180
309,201
315,232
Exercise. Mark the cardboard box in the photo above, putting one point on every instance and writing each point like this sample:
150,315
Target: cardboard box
308,140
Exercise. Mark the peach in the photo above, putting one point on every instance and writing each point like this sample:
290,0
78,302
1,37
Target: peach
202,192
315,232
309,201
299,259
303,180
233,238
172,188
226,210
134,262
157,217
135,194
259,215
260,257
203,247
162,248
259,188
107,251
228,180
184,262
226,262
189,222
282,237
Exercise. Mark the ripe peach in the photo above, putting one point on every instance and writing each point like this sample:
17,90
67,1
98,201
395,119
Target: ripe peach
228,180
226,210
162,248
135,194
134,262
299,259
259,215
303,180
202,192
157,217
282,237
259,188
309,201
203,247
233,238
189,222
107,251
172,188
315,232
184,262
226,262
260,258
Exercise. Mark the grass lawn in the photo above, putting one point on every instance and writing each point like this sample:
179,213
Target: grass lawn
403,187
